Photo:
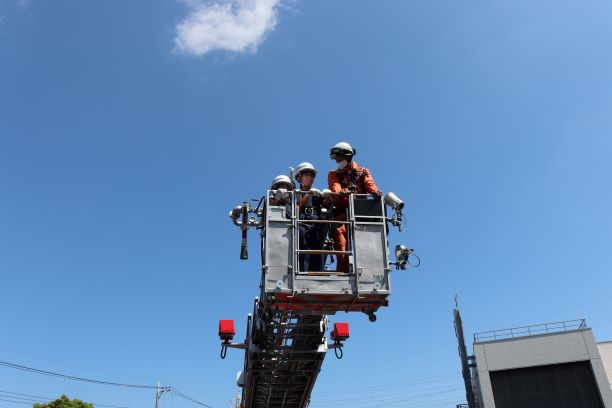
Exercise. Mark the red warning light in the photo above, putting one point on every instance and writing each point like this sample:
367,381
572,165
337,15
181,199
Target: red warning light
226,330
340,332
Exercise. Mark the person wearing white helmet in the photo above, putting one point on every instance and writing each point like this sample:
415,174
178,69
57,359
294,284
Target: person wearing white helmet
347,178
283,186
281,181
310,202
305,174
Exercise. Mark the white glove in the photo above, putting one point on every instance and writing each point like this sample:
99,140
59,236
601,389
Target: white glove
315,192
326,192
281,194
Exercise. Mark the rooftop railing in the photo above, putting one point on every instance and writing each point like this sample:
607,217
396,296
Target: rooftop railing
533,330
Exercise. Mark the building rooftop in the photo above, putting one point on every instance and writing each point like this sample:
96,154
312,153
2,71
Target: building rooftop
533,330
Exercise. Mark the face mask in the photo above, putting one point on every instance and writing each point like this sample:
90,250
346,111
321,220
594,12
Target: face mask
342,164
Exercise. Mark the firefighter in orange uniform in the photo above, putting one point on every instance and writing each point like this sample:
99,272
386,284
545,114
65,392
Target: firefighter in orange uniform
348,178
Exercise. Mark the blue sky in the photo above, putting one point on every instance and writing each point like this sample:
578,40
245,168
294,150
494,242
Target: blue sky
129,129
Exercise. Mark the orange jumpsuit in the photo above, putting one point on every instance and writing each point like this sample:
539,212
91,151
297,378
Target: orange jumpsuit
358,180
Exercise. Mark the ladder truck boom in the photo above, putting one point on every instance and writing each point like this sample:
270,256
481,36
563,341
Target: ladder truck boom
286,340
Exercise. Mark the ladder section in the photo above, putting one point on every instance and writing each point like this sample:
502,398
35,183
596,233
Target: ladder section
283,357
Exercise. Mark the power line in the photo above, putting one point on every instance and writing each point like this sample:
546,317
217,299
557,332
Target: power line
385,396
402,401
23,395
68,363
17,395
380,387
20,398
188,398
389,398
16,402
426,404
99,382
70,377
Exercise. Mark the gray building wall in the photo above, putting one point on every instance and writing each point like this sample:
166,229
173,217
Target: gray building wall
605,351
546,349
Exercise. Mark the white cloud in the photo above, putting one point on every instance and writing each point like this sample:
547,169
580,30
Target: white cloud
23,4
234,25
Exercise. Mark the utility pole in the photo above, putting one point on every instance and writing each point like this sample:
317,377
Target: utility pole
158,393
235,402
159,390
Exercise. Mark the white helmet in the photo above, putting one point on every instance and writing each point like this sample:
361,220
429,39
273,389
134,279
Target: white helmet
279,180
302,167
342,149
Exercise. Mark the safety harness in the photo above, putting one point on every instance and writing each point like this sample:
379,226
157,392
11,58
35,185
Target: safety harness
353,180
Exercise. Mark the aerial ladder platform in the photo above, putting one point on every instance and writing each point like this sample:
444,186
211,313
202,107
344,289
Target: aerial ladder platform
286,341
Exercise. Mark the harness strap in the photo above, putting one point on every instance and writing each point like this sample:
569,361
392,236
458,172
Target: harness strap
355,176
